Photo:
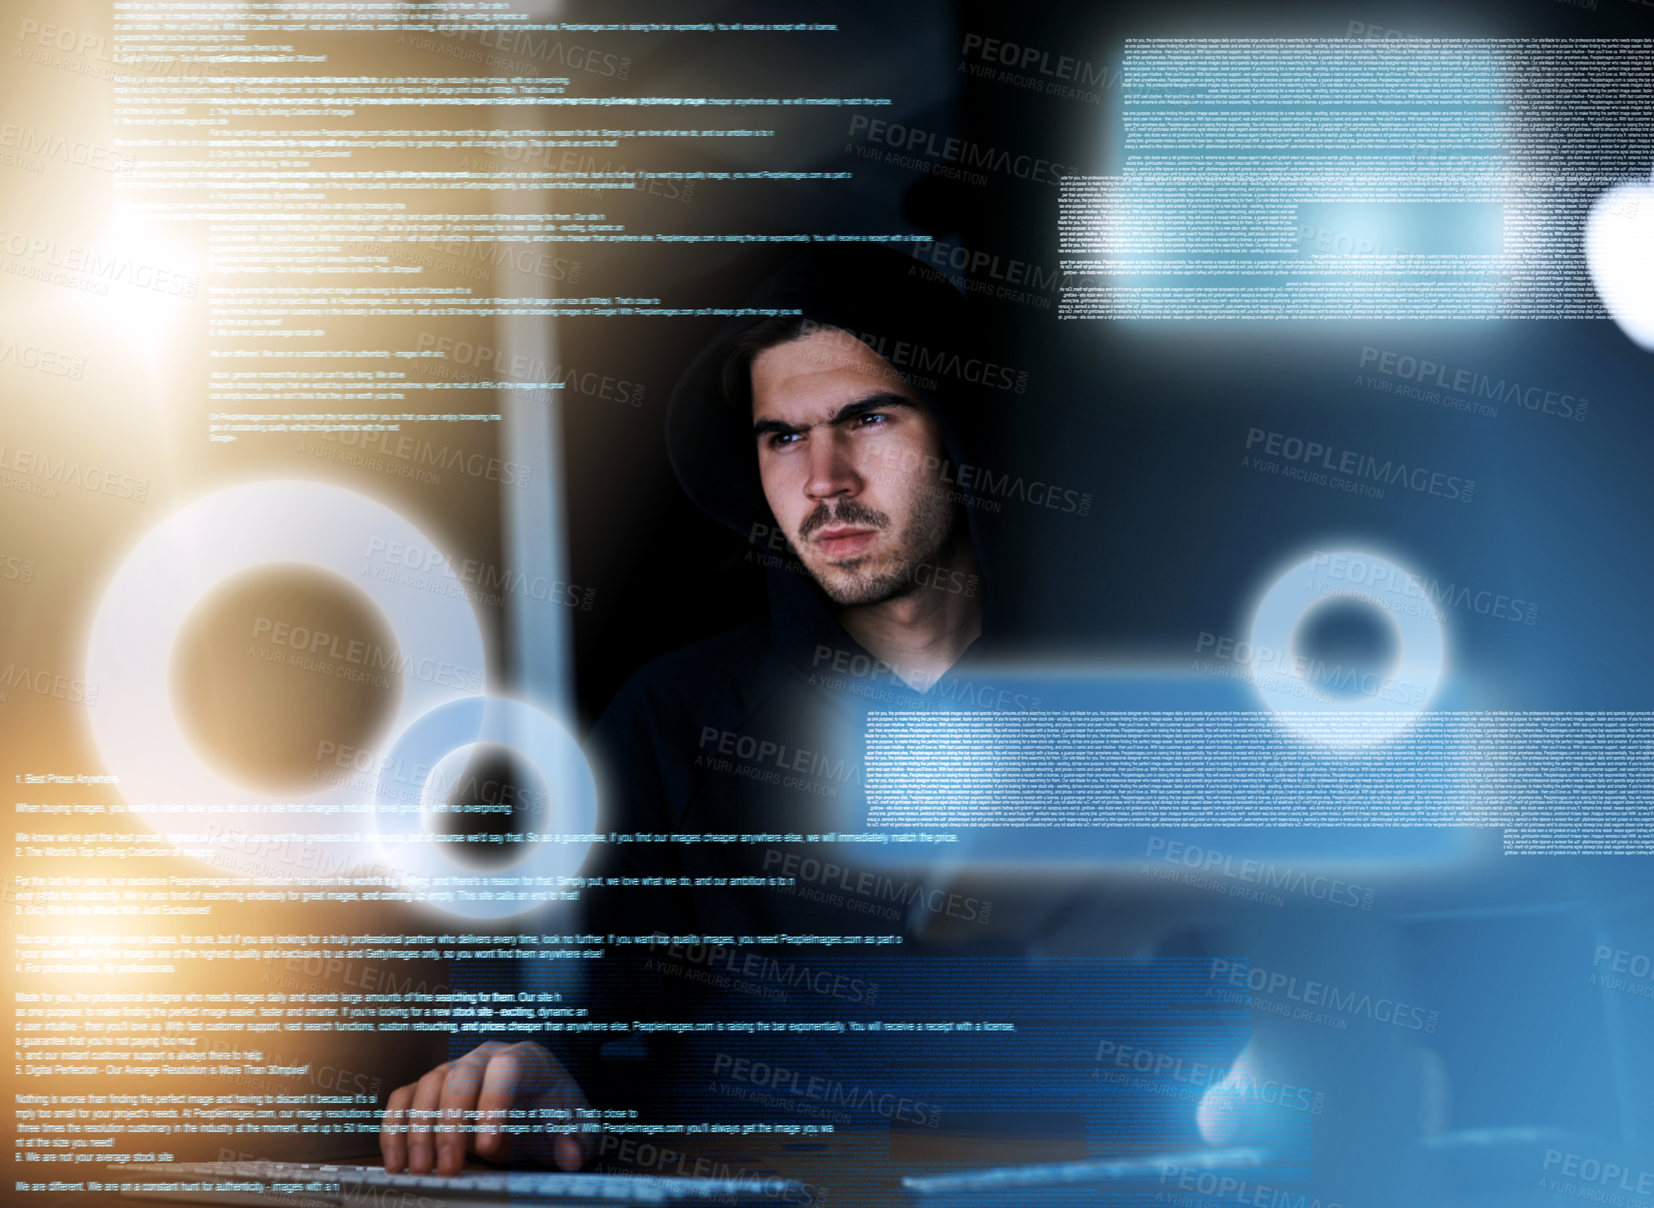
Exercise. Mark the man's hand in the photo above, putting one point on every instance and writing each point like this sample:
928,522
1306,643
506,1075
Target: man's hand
462,1105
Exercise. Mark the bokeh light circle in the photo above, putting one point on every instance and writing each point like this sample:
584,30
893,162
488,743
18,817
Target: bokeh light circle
136,726
556,851
1314,699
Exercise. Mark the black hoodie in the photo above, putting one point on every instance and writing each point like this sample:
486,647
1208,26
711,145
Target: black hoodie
757,730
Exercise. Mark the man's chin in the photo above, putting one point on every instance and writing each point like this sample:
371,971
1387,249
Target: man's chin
848,586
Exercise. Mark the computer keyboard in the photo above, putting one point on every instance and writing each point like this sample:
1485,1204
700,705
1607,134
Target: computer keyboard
1061,1182
299,1185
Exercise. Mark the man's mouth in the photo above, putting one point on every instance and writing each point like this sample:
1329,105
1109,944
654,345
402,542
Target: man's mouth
844,540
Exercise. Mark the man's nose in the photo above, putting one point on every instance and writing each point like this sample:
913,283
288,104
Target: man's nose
832,469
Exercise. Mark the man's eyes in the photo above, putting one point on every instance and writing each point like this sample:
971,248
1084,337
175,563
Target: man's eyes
783,440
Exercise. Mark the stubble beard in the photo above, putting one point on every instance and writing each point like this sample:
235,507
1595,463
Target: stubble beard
891,575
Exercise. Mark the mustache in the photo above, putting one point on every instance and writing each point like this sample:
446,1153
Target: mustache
847,512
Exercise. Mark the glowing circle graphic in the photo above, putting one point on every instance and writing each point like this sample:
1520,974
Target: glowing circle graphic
142,613
1344,705
555,851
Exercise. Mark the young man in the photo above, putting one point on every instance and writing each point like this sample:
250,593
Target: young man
820,438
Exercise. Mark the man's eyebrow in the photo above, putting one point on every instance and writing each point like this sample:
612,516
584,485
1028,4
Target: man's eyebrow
765,427
874,402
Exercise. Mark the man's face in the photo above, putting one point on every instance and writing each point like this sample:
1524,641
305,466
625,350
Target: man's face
849,457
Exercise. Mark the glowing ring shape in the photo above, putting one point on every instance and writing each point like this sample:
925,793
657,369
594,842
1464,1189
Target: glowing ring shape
142,614
1385,704
536,736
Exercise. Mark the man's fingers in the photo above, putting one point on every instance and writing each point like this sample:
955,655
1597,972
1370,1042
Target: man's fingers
422,1112
548,1086
458,1106
525,1078
571,1153
393,1145
469,1103
494,1099
576,1149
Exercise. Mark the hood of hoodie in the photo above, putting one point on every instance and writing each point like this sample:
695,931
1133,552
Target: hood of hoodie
907,312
